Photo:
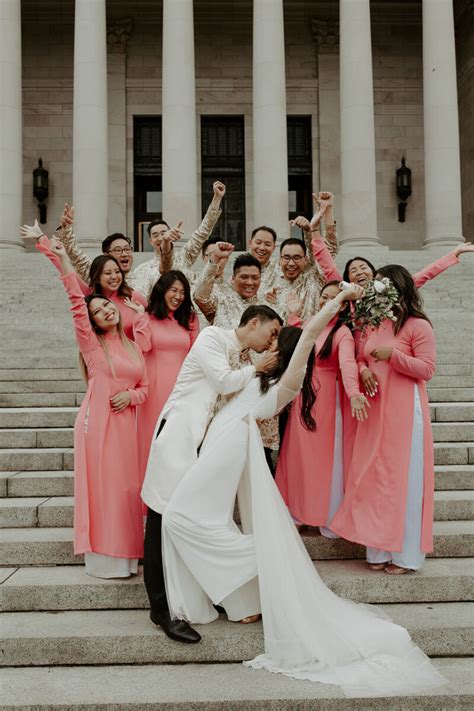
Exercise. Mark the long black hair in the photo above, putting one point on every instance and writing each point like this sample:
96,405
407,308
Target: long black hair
95,272
410,303
345,275
157,304
287,341
326,349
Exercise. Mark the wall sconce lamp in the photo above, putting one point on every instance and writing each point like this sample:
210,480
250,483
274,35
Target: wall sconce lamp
403,189
40,189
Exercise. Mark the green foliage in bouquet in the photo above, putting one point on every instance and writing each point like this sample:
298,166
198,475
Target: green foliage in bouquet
376,305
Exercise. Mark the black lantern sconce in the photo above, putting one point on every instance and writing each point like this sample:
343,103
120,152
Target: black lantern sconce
40,189
403,189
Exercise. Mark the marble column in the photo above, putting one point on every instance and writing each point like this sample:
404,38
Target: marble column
179,157
270,154
11,159
358,176
441,126
90,130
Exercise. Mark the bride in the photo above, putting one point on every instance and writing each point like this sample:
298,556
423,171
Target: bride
309,632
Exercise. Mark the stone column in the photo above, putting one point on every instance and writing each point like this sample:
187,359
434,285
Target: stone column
11,159
270,154
359,202
90,131
118,33
441,127
179,167
326,37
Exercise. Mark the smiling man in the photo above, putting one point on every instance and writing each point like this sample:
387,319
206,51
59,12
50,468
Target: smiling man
221,302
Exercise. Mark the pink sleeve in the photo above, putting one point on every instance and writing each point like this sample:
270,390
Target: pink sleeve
434,269
347,364
193,329
359,344
325,261
85,336
422,364
43,245
142,331
140,392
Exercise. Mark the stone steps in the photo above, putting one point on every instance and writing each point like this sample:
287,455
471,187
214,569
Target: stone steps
59,417
70,588
53,546
214,687
449,477
58,511
128,636
43,458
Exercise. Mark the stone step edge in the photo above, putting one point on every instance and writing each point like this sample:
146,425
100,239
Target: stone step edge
191,686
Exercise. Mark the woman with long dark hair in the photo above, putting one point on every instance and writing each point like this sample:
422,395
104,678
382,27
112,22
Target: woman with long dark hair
106,277
165,332
388,502
310,469
108,522
309,633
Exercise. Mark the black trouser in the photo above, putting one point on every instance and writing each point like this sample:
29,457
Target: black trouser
153,574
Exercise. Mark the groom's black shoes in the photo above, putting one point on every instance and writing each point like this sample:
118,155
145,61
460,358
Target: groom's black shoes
179,630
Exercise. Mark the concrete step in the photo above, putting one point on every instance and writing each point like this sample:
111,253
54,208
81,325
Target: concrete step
445,394
36,438
56,458
70,588
453,431
29,417
452,381
128,636
13,374
60,483
53,459
54,417
58,511
451,477
53,546
214,687
452,412
39,399
42,386
454,453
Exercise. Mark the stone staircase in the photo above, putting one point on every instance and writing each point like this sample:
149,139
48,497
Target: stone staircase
71,641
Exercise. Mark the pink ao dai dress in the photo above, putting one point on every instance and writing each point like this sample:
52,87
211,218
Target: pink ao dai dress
165,344
108,522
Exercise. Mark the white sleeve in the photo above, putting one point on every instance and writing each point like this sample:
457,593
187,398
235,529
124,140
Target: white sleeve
210,353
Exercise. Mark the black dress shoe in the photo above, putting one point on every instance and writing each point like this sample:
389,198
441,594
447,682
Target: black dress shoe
179,630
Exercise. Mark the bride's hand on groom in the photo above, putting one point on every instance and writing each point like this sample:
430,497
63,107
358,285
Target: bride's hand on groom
267,363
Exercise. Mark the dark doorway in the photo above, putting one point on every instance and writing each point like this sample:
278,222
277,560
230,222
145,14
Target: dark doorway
223,158
147,177
300,166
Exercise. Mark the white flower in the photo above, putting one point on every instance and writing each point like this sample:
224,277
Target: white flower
379,286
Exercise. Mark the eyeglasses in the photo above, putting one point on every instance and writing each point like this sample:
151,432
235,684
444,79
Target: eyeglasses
287,258
118,251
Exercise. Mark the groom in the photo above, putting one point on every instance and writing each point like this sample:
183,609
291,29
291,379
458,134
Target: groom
206,375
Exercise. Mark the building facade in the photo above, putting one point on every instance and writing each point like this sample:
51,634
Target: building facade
136,107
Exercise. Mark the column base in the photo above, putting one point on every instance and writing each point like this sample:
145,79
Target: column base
442,241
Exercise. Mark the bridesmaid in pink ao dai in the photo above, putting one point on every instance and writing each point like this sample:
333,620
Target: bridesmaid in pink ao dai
388,502
108,521
310,469
165,332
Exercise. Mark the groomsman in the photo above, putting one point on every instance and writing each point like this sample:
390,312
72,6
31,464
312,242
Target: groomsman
211,371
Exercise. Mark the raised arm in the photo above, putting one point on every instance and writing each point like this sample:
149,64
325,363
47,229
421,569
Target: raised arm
203,291
209,352
292,379
190,251
440,265
44,246
79,260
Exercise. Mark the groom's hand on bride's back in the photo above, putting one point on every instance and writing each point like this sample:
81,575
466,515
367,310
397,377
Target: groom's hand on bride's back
267,363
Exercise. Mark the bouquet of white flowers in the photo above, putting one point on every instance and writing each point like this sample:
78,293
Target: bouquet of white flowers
376,305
